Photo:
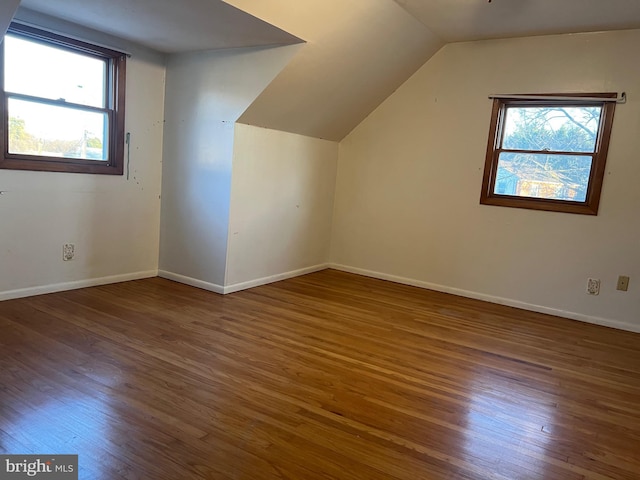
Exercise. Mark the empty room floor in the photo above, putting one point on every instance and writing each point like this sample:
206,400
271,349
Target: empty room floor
329,375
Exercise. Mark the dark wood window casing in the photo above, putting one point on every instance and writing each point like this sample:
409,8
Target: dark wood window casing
599,155
114,108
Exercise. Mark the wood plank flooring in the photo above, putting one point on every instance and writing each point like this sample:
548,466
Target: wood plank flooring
330,375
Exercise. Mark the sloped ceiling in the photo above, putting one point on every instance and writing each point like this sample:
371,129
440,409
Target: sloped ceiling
7,10
463,20
168,26
357,53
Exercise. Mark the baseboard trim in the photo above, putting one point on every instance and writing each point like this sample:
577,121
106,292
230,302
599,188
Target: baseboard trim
236,287
61,287
194,282
490,298
274,278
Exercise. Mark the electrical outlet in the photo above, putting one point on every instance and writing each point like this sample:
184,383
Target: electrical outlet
593,286
623,283
68,251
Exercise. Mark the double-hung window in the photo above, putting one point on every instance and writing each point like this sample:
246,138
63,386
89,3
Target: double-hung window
61,104
548,152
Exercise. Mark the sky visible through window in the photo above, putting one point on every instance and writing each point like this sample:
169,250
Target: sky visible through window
38,70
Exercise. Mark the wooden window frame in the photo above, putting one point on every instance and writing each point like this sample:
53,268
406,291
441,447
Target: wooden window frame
596,177
114,109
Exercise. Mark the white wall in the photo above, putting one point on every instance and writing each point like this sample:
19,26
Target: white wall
206,93
409,177
281,205
113,221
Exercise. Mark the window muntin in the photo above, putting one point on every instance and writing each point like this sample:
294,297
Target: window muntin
548,154
62,104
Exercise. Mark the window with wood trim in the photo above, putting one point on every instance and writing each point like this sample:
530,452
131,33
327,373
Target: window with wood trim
61,104
548,154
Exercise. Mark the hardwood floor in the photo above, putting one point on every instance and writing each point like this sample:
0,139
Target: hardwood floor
330,375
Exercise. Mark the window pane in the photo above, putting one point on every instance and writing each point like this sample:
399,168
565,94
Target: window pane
559,177
560,129
73,77
45,130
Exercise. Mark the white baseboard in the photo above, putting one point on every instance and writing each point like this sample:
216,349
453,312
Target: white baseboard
490,298
194,282
60,287
93,282
236,287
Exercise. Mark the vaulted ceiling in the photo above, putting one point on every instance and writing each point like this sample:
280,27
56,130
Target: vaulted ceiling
357,52
167,26
7,9
464,20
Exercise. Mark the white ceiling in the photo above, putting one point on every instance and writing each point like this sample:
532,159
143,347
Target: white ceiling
7,9
167,26
357,53
178,26
463,20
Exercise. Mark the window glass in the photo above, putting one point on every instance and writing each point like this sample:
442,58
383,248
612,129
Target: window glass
559,177
70,76
560,129
56,131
